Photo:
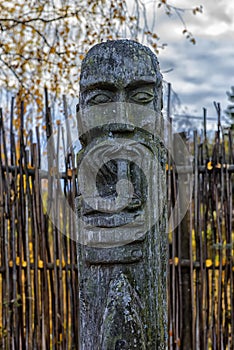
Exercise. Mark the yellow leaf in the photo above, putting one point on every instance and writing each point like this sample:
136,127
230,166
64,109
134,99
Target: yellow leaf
176,260
209,166
30,246
52,50
7,48
30,167
40,264
208,262
69,172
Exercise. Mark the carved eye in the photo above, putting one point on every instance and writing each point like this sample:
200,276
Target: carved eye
142,97
99,98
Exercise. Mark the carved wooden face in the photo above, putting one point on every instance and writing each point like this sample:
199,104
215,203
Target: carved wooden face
120,71
117,73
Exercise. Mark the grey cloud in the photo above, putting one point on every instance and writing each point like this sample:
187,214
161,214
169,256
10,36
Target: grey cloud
201,73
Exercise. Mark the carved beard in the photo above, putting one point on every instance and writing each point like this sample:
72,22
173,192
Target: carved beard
106,180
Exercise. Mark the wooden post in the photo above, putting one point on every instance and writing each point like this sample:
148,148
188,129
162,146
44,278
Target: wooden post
121,207
184,241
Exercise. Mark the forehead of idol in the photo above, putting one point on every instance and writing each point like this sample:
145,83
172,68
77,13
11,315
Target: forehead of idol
118,66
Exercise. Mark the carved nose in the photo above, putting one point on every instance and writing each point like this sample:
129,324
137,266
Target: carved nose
122,110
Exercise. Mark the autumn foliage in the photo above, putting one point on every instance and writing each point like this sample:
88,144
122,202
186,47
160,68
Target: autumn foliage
42,42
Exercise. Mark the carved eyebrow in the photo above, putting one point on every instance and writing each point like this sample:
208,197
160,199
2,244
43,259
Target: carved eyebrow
99,85
142,82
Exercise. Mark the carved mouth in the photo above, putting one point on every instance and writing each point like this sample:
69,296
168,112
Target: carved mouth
95,218
99,219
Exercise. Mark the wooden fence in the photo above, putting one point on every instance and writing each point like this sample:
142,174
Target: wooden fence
38,269
201,274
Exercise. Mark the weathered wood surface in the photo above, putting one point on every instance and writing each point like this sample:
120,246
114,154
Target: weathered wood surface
122,251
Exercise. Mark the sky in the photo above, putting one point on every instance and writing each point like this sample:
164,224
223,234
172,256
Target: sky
201,73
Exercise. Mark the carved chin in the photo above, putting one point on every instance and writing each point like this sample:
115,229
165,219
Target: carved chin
112,219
